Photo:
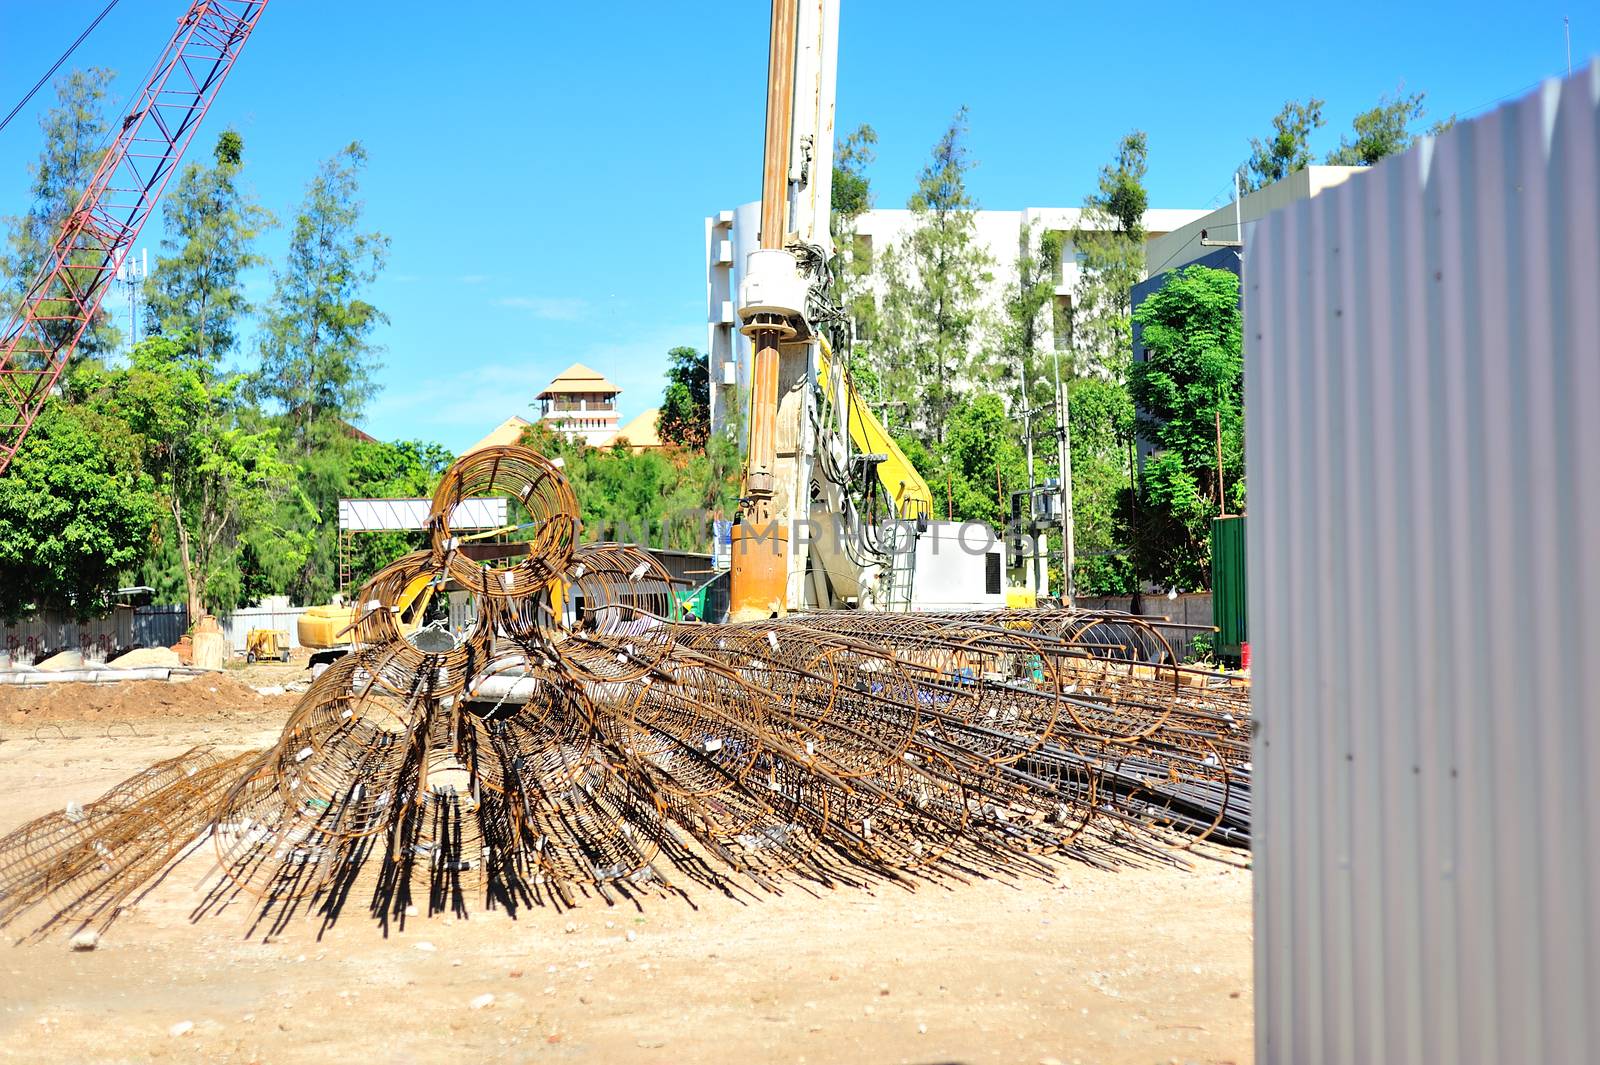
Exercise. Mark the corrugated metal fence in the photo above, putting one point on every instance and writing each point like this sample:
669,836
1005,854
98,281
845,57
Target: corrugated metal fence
236,625
159,626
145,626
37,637
1423,382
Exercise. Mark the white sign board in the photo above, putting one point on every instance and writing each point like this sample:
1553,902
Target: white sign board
404,515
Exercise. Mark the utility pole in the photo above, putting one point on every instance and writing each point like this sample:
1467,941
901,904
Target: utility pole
1222,496
1027,443
1064,452
1566,25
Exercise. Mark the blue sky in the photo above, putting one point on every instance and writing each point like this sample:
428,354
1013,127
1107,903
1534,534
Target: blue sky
544,170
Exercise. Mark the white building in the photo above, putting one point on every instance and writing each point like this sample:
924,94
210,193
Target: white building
1181,246
731,236
582,404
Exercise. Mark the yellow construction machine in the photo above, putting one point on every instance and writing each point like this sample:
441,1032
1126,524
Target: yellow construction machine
263,644
328,631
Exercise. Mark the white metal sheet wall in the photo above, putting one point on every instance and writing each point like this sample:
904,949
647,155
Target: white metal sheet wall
1423,395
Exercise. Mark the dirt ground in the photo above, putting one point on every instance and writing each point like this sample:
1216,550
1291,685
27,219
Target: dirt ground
1145,965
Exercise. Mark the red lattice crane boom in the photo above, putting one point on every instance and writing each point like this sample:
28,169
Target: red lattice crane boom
62,300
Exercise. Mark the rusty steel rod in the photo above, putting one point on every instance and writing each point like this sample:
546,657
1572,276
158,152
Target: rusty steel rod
839,747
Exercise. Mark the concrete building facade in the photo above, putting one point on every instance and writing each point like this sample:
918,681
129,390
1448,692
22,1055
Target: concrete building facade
731,236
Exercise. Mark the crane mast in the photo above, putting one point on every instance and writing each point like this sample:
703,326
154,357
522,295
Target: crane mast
64,296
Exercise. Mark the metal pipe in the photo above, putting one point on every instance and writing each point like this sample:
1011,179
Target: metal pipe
109,675
760,559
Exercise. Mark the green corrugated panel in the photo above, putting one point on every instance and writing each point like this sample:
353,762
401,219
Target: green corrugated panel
1228,585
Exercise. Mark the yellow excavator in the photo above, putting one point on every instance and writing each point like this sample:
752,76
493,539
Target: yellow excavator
328,631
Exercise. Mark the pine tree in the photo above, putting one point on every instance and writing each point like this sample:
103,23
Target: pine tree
75,137
1022,370
317,354
1384,130
194,296
1287,150
852,255
932,316
1109,241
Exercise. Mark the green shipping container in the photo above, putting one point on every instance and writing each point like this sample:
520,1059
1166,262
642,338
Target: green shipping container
1228,586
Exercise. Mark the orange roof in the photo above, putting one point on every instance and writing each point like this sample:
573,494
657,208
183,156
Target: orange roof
578,378
641,430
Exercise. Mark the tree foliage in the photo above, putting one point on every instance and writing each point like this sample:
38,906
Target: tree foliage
317,351
76,511
852,188
74,132
1101,415
1190,387
1384,130
211,226
931,316
1109,242
983,459
215,480
685,418
1289,147
661,496
852,255
1030,296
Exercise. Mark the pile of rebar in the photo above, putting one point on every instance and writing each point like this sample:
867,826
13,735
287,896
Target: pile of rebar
574,738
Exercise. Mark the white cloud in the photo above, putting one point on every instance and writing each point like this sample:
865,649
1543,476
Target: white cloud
550,308
473,279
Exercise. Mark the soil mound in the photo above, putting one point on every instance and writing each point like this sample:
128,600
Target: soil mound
207,696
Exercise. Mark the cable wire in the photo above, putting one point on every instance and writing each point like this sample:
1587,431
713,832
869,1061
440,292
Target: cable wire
29,95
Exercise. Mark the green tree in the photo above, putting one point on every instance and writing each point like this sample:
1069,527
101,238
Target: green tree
982,459
75,514
1190,396
1026,327
1289,147
852,188
852,257
661,497
932,317
215,479
1101,414
1385,130
317,352
75,130
194,295
1109,243
685,418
